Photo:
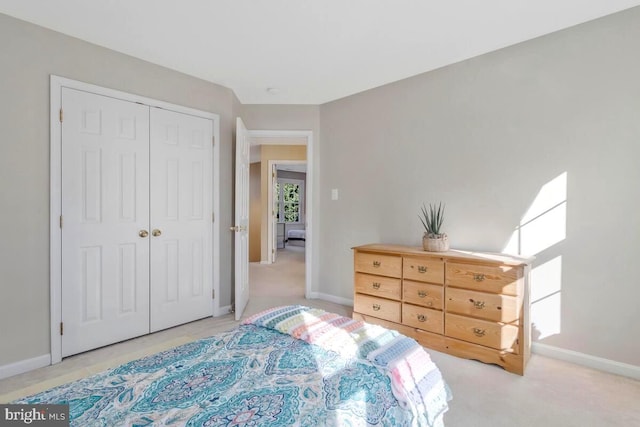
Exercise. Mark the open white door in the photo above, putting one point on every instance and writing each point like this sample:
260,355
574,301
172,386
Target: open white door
274,216
241,226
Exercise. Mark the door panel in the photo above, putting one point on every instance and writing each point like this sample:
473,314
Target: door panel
181,208
127,199
168,280
105,204
91,285
172,188
91,185
197,259
127,277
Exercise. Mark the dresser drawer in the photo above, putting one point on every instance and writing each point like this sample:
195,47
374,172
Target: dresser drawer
378,307
423,269
490,334
384,265
422,318
422,294
499,308
484,278
380,286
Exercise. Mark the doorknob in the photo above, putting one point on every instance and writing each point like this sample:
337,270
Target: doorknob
156,232
143,233
237,228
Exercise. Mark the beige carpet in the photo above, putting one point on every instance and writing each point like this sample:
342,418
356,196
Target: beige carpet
551,394
284,278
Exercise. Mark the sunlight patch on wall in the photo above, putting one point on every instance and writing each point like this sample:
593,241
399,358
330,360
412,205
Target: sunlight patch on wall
544,231
551,194
542,226
546,280
545,222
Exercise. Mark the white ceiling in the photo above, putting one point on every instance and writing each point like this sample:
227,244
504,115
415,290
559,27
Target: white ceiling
311,51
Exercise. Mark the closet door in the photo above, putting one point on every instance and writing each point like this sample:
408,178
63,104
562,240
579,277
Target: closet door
105,213
181,218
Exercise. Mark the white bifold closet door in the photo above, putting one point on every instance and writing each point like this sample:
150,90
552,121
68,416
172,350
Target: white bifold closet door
136,211
181,213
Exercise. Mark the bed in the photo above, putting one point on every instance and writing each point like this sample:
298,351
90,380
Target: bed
296,236
290,365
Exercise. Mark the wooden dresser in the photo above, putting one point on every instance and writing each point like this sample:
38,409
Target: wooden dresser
468,304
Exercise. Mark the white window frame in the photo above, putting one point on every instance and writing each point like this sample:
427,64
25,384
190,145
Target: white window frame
301,184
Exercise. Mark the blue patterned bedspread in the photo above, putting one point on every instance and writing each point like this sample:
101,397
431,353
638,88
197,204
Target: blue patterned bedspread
251,376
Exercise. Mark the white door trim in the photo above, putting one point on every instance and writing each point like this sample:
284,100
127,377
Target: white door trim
309,213
270,230
55,200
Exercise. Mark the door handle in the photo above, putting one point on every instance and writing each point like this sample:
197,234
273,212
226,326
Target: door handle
156,232
237,228
143,233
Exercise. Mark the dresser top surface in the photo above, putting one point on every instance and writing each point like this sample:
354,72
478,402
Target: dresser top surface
453,254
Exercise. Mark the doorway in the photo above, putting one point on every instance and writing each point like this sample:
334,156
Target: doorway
303,140
286,206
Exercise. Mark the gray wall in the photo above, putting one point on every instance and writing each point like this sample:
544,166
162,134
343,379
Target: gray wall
484,136
28,55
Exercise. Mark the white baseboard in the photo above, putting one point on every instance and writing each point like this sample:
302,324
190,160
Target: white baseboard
587,360
331,298
23,366
222,311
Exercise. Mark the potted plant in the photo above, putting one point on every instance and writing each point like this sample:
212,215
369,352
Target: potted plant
433,239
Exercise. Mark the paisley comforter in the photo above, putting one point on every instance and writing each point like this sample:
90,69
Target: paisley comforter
250,376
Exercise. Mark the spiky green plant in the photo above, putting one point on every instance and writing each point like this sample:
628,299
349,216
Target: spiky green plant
432,218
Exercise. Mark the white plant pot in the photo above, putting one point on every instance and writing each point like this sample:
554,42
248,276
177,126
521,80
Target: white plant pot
439,243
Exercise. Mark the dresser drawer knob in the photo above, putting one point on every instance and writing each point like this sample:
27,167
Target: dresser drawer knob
422,294
376,264
478,304
422,318
479,332
376,307
478,277
422,269
376,285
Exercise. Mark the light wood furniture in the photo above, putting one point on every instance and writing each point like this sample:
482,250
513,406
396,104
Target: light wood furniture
472,305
